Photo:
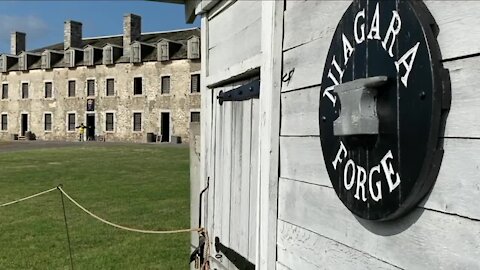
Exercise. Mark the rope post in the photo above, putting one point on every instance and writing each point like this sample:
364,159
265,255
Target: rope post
66,226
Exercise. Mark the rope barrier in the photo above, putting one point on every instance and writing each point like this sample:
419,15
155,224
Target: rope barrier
28,197
124,227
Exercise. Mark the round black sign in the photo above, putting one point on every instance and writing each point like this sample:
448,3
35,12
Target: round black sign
383,101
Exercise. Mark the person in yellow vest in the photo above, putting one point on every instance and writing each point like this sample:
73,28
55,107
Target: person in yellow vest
81,131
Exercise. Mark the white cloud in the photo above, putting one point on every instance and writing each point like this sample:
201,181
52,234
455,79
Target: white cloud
33,26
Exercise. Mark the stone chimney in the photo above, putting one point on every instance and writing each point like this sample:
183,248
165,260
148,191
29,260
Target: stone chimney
17,43
132,30
72,34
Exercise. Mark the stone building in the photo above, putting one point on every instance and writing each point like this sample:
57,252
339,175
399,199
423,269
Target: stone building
123,87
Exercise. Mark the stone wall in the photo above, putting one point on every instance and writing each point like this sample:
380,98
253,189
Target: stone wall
123,104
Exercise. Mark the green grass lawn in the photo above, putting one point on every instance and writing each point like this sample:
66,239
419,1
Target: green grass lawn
140,186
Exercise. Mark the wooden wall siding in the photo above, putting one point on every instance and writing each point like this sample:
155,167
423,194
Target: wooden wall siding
458,22
298,249
239,27
429,240
234,182
444,230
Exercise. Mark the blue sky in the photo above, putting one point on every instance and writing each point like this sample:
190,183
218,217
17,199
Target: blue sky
43,20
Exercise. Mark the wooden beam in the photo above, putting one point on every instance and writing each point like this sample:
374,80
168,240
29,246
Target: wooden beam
270,77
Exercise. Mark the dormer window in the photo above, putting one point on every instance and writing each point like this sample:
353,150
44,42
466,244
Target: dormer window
91,55
111,53
163,51
46,60
193,50
88,56
22,62
136,53
2,64
72,56
107,55
50,58
7,61
140,50
26,59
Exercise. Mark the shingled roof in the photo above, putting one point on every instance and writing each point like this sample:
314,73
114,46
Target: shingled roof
180,36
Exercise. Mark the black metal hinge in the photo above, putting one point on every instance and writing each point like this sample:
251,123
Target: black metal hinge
244,92
238,260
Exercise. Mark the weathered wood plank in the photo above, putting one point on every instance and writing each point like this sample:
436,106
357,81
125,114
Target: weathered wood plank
458,23
302,249
239,27
306,64
233,20
237,231
281,266
309,20
462,119
421,240
302,159
456,20
300,108
300,112
269,130
253,224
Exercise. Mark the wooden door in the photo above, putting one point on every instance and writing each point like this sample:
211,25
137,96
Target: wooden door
232,199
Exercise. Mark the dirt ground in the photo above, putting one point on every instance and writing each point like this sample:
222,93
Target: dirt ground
10,146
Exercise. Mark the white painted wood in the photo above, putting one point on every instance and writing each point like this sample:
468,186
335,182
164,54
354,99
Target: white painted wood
254,163
306,21
232,21
302,159
270,77
300,112
463,118
458,23
237,69
300,108
421,240
245,190
302,249
234,35
307,61
458,184
281,266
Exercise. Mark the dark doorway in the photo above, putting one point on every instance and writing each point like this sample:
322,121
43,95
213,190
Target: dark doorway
24,124
165,126
90,127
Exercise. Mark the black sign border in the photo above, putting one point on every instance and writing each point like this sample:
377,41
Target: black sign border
440,107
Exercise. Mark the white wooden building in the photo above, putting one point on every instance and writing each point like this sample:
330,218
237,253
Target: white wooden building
270,198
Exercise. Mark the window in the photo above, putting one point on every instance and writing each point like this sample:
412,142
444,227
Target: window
4,91
109,126
110,87
48,89
194,117
48,122
4,122
137,86
195,83
71,122
165,87
90,88
71,88
24,90
137,121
